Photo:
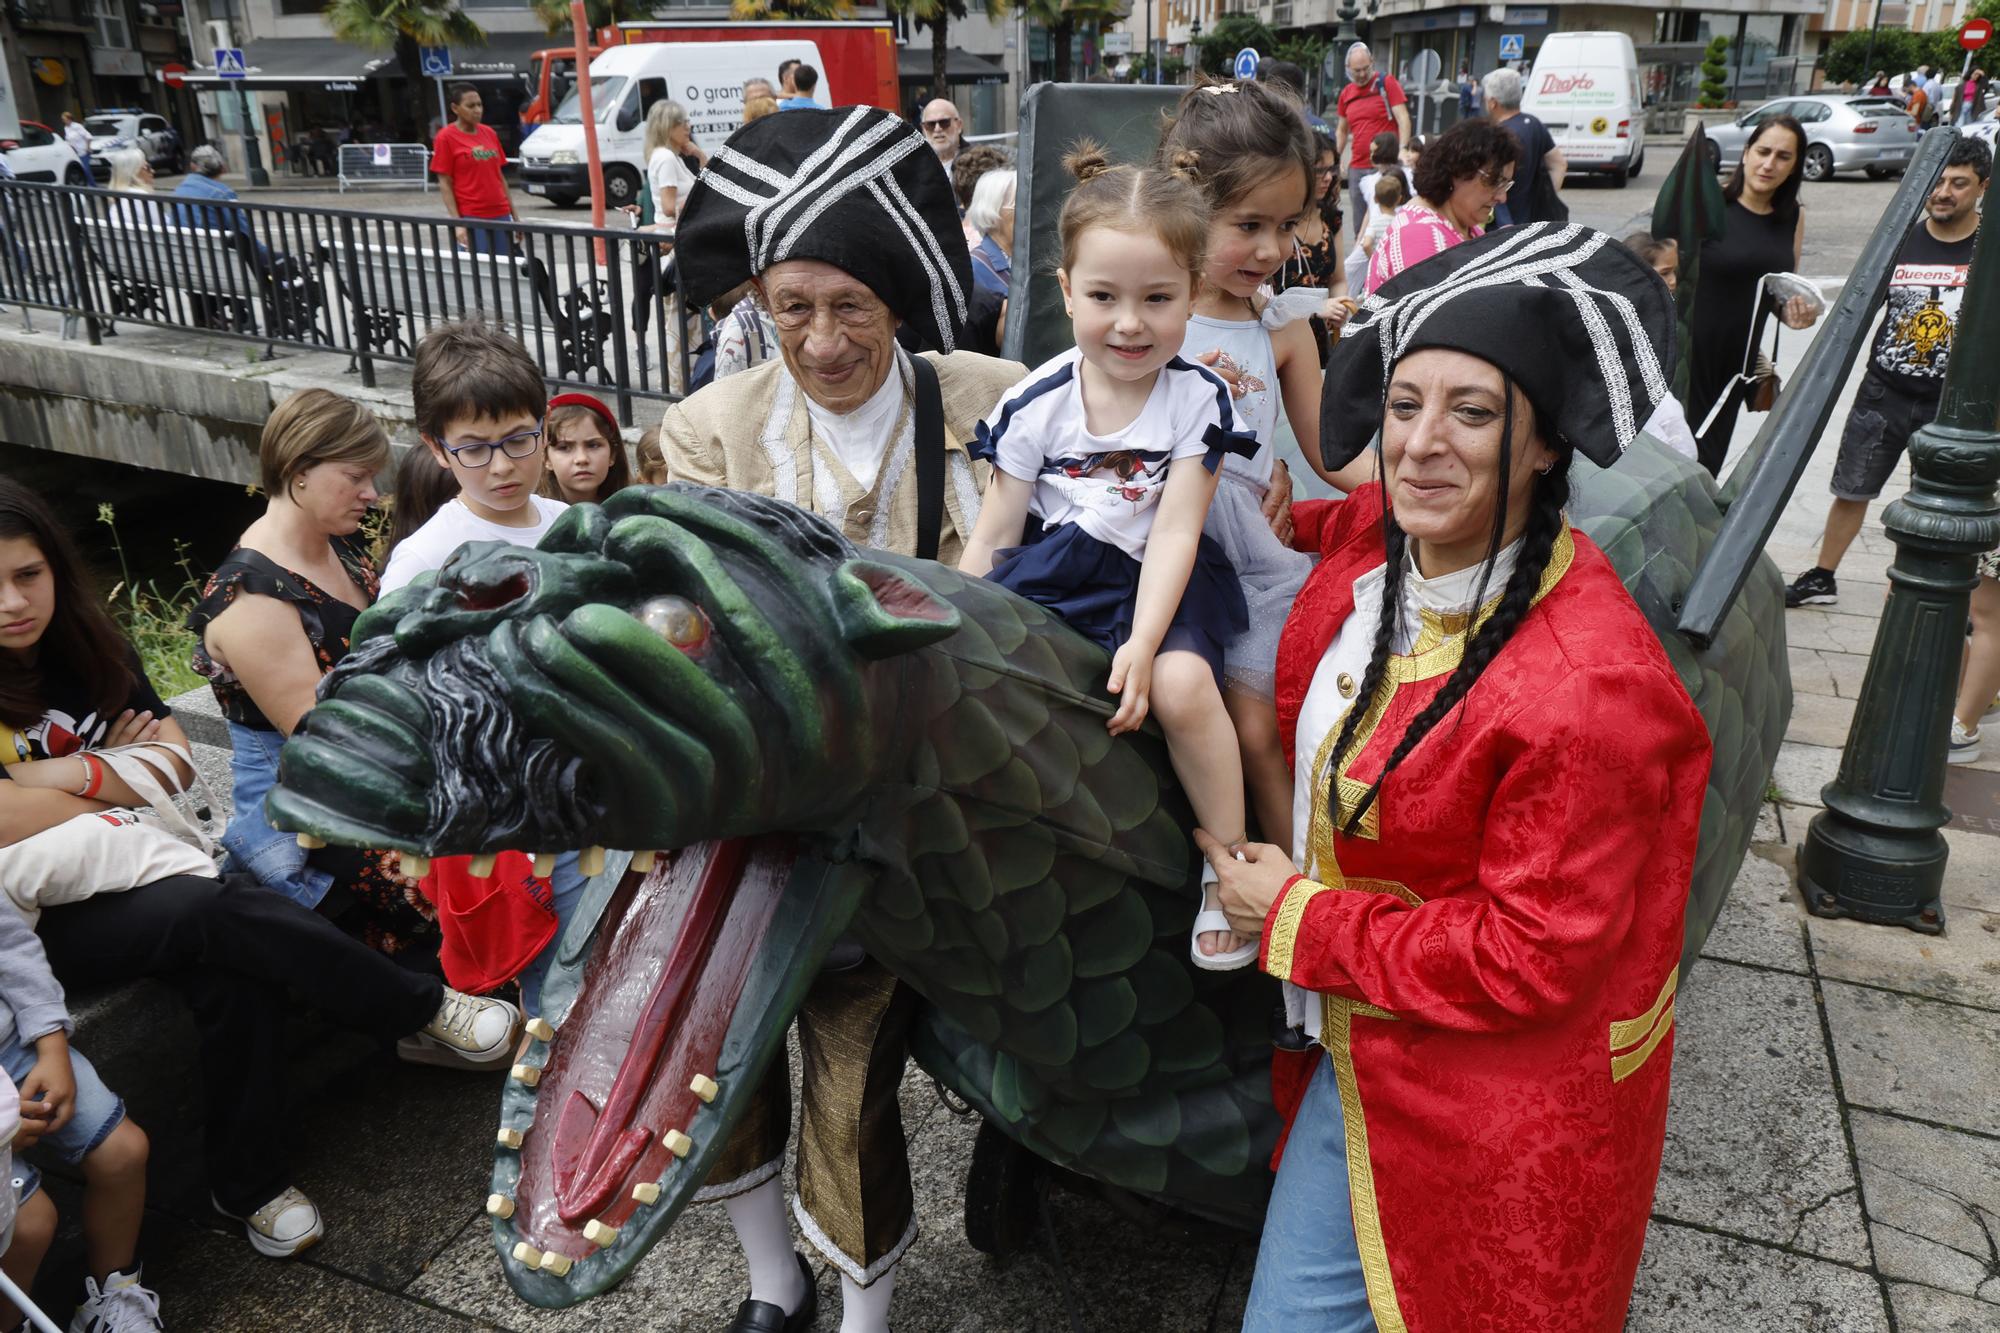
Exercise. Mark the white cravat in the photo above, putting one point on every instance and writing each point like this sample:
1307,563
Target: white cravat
860,439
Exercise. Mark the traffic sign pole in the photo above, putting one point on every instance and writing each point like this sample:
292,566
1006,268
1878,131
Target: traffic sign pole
229,64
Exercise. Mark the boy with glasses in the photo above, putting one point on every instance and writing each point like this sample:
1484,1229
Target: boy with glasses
481,406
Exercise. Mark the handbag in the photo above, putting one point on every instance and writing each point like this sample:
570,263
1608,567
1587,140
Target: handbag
111,851
1760,393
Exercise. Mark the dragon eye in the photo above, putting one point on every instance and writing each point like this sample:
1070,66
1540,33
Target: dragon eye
677,620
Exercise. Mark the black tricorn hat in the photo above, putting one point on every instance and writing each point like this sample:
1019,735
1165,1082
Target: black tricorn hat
857,188
1579,322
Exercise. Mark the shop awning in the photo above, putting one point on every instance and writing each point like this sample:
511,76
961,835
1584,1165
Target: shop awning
301,62
913,65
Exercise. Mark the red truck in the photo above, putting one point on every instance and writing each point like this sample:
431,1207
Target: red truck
860,57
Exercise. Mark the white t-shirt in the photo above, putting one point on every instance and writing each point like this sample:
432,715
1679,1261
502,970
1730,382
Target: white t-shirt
77,135
1107,485
452,527
860,438
666,171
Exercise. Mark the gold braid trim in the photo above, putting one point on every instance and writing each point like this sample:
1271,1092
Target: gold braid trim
1334,1033
1626,1065
1629,1030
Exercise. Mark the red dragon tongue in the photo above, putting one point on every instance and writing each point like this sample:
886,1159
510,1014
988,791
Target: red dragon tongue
588,1179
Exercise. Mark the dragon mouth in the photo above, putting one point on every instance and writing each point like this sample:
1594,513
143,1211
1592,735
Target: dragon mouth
676,1007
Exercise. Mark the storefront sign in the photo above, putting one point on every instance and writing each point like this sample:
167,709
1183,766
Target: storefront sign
50,71
1526,16
117,62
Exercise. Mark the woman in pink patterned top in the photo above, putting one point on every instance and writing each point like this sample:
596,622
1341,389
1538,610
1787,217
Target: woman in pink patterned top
1462,174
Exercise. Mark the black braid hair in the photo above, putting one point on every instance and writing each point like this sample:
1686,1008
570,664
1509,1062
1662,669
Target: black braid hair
1545,524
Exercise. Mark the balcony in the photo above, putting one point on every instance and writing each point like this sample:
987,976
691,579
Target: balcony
49,14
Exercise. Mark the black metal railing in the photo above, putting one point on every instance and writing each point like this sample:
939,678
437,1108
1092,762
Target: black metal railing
595,308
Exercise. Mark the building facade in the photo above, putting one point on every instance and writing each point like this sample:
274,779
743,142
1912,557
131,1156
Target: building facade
89,55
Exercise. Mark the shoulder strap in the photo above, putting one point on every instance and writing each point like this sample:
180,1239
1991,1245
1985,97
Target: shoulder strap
929,427
1382,87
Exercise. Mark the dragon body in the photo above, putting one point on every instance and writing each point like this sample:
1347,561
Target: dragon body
827,739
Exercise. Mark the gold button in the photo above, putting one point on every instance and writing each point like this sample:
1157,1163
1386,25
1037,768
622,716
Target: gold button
1345,684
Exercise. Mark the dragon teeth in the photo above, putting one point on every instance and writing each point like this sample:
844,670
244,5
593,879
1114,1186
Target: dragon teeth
646,1191
642,862
500,1206
310,843
540,1030
599,1234
704,1087
482,866
527,1255
545,864
557,1265
677,1143
527,1075
509,1138
590,861
414,866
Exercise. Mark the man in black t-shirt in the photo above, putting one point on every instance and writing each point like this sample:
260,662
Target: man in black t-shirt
1538,149
1905,376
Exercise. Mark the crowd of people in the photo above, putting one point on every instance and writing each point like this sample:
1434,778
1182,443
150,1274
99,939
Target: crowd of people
1506,897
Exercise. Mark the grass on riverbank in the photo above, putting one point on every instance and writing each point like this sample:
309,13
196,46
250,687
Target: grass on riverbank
155,619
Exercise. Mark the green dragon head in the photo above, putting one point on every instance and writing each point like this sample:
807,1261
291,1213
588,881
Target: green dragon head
628,684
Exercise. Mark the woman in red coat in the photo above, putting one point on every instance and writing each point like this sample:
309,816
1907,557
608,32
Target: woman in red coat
1499,782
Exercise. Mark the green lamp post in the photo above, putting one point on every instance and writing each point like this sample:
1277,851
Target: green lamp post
1876,851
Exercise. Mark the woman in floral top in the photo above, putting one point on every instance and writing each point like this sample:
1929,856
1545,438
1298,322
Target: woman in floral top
1462,174
275,617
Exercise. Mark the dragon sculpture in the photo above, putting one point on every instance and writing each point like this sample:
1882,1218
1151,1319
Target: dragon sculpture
827,739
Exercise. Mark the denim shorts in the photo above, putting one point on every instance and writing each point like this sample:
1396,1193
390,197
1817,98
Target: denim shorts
275,859
1884,417
99,1110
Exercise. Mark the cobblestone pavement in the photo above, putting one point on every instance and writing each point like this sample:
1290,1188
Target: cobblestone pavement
1832,1161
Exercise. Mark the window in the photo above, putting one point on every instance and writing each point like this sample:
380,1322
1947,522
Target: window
110,18
35,136
651,91
152,125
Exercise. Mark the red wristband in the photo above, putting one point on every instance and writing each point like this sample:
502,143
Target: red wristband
95,767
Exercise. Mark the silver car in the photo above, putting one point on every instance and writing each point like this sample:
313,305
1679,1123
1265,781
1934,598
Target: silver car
1843,133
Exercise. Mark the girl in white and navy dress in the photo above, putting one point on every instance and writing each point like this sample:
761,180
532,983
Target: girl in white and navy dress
1113,448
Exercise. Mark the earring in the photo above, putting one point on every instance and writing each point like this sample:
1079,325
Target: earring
1546,468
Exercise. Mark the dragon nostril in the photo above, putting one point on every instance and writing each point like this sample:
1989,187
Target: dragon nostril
678,621
494,595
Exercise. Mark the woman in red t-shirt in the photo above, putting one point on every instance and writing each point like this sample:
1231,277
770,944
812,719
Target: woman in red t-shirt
468,160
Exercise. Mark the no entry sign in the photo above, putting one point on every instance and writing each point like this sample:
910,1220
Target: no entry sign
1975,34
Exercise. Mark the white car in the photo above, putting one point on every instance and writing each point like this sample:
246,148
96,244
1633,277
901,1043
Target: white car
148,133
41,155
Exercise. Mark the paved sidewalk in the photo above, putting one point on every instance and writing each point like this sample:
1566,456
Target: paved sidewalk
1832,1160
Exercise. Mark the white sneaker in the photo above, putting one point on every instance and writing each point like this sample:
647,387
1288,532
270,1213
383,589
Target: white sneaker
1964,744
468,1032
282,1227
120,1306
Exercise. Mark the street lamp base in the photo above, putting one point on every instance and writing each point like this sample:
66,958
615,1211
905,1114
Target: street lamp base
1846,871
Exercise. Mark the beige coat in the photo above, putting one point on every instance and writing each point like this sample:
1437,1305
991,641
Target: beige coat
751,432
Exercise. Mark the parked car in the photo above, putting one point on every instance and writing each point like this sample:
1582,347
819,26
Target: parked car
150,134
41,155
1843,133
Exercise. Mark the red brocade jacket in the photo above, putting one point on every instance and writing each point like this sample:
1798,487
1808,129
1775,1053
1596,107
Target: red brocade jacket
1497,948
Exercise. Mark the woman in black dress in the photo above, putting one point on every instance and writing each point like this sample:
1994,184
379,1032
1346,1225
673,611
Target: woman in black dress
1763,231
1318,261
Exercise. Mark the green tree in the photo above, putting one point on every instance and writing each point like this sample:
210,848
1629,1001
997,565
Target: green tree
405,25
937,16
1715,73
554,14
1895,51
1233,32
791,9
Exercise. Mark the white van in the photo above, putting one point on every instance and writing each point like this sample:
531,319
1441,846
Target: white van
1585,88
705,77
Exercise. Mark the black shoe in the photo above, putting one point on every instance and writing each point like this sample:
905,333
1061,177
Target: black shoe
765,1317
1815,587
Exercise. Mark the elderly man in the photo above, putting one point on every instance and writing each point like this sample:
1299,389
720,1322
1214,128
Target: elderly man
1539,153
847,424
942,127
1371,104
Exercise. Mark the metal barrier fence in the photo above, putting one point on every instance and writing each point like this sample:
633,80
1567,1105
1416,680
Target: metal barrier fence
596,309
363,164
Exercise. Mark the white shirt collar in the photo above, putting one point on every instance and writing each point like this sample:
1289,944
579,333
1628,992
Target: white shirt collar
1451,594
861,438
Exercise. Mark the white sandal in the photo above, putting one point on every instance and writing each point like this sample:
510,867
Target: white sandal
1213,919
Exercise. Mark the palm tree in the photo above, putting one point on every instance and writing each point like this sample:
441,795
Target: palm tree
554,14
1061,17
937,16
405,25
791,9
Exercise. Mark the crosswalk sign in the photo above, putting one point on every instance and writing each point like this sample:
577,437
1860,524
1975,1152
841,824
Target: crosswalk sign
435,61
1513,45
229,62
